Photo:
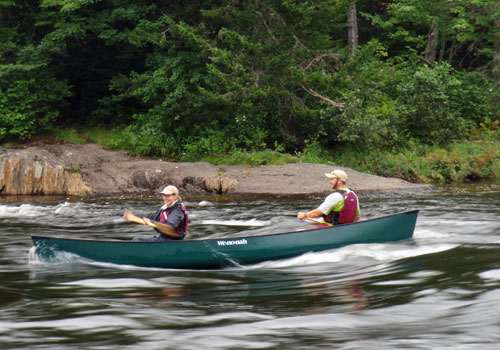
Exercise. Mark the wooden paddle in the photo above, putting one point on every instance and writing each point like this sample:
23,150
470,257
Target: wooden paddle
315,221
322,224
163,228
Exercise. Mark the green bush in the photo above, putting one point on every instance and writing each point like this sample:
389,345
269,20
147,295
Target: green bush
430,105
28,107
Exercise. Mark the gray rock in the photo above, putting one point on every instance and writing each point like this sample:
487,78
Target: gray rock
72,169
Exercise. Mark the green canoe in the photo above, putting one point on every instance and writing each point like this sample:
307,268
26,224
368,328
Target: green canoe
218,253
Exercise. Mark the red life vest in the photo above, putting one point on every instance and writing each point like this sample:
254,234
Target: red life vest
346,215
166,213
350,206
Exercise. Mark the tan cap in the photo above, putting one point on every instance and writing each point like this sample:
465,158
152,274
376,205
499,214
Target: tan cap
170,189
337,174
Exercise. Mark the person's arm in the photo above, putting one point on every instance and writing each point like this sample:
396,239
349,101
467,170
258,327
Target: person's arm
357,215
315,213
322,209
152,217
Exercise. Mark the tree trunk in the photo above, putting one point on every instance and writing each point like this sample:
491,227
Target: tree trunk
442,50
451,51
432,43
352,30
496,57
496,43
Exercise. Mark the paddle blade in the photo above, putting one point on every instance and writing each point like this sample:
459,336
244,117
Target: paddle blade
169,231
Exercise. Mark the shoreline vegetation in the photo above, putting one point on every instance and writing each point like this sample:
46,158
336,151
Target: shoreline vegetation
401,88
473,160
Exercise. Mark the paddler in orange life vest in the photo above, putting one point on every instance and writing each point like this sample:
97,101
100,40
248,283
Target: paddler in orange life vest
173,213
340,207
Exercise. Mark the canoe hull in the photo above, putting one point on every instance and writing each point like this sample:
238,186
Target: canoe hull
218,253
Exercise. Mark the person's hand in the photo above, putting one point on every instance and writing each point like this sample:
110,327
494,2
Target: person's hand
126,213
146,221
301,215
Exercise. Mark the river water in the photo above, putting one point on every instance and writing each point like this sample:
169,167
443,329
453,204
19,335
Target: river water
440,290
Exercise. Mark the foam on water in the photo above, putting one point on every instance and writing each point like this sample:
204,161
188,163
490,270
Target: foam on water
73,324
31,210
426,234
491,274
33,257
22,211
66,208
378,252
125,267
59,257
112,283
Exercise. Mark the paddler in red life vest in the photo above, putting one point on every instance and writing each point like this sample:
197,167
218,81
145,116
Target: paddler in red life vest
173,213
340,207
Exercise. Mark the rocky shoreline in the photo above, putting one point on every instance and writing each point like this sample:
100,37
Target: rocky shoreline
90,170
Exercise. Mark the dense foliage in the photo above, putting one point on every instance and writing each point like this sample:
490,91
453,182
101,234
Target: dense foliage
189,78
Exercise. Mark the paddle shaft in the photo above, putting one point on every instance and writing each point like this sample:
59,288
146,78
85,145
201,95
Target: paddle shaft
169,231
315,221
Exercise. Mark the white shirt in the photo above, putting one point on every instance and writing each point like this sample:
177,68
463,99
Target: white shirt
330,201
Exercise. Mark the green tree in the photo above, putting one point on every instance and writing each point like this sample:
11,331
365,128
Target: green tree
242,75
30,94
465,28
430,103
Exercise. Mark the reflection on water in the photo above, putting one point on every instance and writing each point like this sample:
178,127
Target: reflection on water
433,292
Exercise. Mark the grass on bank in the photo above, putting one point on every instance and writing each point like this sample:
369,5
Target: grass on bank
460,162
476,159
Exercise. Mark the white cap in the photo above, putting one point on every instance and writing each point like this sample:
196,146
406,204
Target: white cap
170,189
337,174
